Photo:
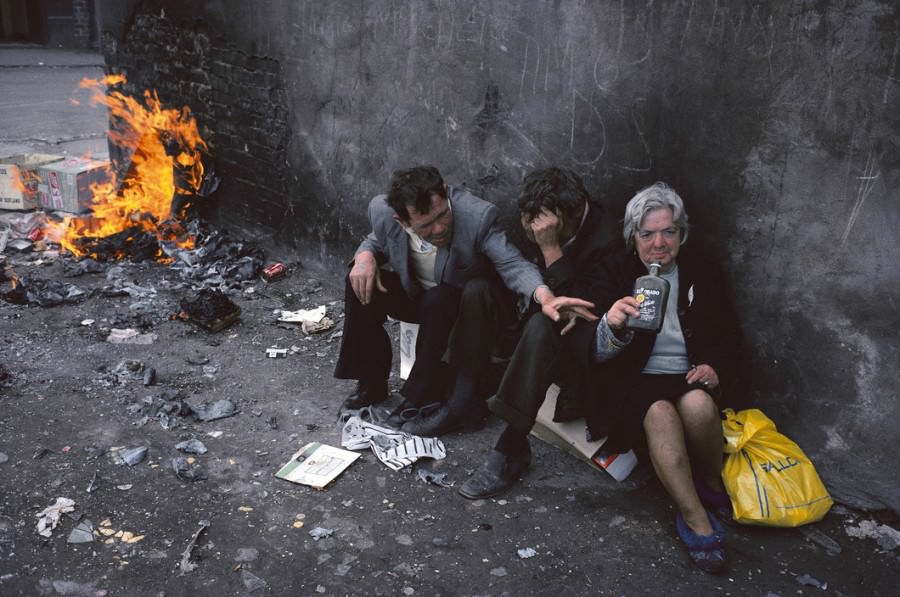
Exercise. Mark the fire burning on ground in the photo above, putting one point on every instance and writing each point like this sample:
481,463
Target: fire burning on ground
150,198
138,212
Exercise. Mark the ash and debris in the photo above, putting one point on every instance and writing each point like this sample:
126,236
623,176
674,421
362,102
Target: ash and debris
215,262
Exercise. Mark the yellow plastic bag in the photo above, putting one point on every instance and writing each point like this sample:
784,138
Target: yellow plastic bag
768,477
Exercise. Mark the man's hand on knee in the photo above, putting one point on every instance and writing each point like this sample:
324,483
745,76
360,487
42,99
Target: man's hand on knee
364,277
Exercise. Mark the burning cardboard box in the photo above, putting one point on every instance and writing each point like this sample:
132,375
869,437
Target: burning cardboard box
67,185
19,179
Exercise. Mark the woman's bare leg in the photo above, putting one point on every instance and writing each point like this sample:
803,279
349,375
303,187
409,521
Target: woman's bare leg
703,435
668,453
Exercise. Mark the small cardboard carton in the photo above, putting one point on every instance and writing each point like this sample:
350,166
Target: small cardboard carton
409,332
570,436
19,179
66,185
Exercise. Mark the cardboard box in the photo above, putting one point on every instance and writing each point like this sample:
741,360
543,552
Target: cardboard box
19,179
66,185
409,332
571,437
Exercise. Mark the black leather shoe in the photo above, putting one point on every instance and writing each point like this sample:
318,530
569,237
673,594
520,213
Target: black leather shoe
366,394
439,422
407,411
496,475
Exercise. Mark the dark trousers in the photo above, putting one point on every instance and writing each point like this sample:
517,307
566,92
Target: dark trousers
459,330
538,360
487,316
366,353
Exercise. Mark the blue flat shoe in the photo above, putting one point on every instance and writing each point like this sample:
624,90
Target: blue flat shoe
706,551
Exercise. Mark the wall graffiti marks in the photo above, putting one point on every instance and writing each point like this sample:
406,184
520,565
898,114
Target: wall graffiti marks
870,174
586,128
326,23
891,79
609,67
712,28
544,69
641,136
731,23
765,33
687,25
449,30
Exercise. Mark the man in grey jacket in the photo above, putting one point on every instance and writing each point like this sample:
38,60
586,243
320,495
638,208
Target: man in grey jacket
436,256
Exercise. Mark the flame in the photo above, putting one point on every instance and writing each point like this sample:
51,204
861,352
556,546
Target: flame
163,142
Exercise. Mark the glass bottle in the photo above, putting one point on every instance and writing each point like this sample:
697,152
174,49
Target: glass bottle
652,295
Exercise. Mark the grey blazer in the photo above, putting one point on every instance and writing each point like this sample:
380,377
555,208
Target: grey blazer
478,246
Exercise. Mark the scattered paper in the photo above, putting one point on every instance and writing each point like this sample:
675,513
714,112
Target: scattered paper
191,446
186,565
251,581
395,449
316,465
310,320
219,409
130,336
809,581
132,456
321,533
439,479
312,315
49,516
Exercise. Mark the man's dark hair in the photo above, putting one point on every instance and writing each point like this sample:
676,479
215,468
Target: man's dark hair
413,187
553,188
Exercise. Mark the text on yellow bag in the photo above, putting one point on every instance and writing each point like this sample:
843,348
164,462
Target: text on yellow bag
768,477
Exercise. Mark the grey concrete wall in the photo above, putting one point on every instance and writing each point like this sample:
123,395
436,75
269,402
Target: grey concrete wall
777,121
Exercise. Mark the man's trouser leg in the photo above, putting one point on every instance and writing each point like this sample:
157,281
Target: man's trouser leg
530,372
429,376
487,308
365,352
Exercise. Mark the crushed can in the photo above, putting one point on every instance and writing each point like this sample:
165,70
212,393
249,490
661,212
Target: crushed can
274,272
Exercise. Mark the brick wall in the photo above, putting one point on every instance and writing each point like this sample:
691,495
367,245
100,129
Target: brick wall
237,99
81,23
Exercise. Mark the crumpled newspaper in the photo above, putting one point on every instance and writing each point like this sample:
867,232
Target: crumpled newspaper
310,320
49,516
395,449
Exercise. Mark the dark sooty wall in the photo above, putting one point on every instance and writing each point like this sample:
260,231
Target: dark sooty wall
777,122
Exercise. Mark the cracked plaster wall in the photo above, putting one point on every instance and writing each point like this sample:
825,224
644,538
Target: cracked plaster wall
777,121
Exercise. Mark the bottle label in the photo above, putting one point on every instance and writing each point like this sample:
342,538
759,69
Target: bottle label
651,293
648,303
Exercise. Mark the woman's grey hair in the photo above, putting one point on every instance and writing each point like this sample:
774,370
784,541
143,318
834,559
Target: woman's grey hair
657,196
